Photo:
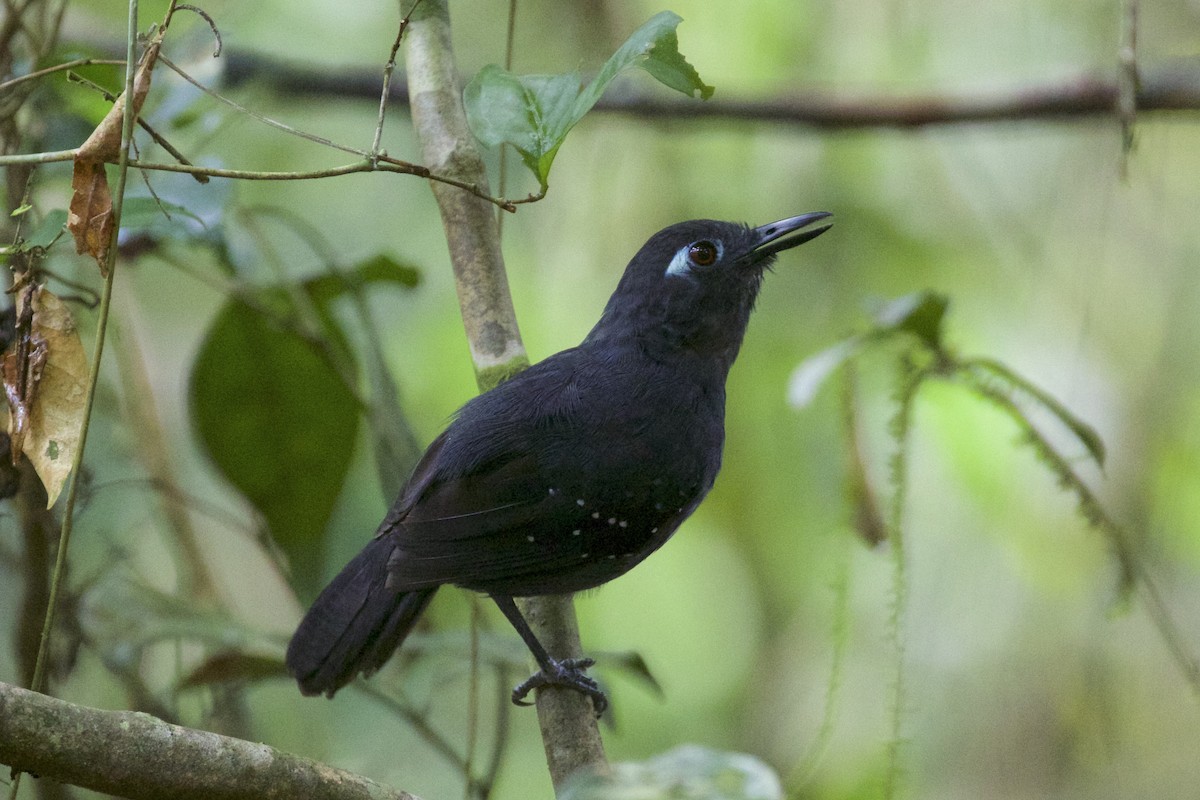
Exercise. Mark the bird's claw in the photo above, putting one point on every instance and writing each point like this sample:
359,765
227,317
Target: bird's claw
568,674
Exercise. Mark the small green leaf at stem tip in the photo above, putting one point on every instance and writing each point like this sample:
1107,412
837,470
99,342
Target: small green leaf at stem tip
919,313
21,210
534,113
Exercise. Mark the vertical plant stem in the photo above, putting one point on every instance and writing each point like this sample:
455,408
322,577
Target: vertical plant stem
570,734
480,280
39,675
64,537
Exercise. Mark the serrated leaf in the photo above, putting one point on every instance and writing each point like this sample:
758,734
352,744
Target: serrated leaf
655,48
534,113
920,313
813,371
1082,431
279,424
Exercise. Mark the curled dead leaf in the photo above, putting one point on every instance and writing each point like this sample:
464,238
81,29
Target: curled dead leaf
90,217
45,376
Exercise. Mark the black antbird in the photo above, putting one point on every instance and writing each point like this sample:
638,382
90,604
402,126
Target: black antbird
570,473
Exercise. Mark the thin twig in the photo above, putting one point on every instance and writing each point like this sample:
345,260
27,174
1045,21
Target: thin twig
388,69
1163,87
158,138
510,38
212,25
60,564
69,65
241,109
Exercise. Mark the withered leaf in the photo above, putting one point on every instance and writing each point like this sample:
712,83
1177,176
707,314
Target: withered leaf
90,219
45,375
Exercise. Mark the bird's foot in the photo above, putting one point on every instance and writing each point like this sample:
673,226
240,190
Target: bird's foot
569,674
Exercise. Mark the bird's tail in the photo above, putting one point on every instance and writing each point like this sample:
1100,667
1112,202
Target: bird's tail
355,625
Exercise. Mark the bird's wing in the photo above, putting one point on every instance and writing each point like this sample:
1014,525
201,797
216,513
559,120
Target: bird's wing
525,494
514,529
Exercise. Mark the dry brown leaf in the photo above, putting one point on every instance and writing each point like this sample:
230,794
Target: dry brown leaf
21,370
46,388
90,213
90,218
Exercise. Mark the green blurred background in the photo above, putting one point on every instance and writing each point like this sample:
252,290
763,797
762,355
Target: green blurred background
1028,673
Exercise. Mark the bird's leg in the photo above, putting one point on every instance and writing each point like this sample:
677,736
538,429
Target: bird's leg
568,673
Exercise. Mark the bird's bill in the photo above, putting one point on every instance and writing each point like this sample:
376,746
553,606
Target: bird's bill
777,236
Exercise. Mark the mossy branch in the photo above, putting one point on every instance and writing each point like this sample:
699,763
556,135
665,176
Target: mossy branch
135,755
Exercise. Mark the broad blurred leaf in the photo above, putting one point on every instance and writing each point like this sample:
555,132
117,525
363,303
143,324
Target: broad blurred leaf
50,229
688,772
160,219
122,617
534,113
813,371
633,664
280,424
396,448
234,666
920,313
379,268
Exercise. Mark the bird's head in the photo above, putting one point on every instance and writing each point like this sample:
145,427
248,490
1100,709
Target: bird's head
692,286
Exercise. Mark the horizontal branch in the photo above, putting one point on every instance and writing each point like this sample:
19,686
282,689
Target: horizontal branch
135,755
1173,87
380,164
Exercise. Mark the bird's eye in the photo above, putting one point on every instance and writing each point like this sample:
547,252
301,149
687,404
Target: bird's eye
702,254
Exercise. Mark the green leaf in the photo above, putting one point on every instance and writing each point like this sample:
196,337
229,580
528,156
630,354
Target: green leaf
396,448
655,48
234,666
920,313
813,371
279,424
379,268
688,772
150,221
124,617
633,664
141,213
534,113
50,229
1082,431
